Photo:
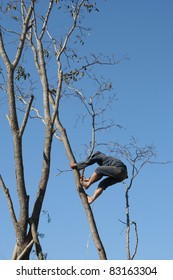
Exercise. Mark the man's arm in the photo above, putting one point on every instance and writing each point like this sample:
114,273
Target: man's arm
82,164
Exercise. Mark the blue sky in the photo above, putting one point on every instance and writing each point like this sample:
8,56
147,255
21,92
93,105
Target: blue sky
141,31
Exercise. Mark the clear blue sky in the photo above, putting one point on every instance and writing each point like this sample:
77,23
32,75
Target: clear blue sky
141,31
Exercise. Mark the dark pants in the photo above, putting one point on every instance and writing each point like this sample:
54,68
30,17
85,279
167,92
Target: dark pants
114,175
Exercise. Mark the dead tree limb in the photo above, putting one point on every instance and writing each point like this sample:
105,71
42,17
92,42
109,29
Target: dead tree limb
9,201
137,157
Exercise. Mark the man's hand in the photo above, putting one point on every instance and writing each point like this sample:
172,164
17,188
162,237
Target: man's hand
73,165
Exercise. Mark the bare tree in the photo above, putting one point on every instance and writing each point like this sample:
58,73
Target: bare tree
137,157
31,31
21,223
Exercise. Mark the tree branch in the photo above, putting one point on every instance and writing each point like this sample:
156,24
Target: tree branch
9,201
22,99
137,240
26,116
46,19
75,16
44,82
58,93
23,36
36,240
36,60
3,51
138,157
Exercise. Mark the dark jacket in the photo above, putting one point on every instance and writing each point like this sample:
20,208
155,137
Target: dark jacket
101,159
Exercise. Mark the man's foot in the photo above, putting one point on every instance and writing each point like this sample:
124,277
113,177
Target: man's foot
90,199
84,183
82,178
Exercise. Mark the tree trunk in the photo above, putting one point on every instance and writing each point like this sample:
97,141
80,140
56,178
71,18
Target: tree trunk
95,235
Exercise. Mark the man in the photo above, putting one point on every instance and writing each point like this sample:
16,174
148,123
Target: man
113,168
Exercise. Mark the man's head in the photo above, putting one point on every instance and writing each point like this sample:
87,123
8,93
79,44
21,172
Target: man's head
96,154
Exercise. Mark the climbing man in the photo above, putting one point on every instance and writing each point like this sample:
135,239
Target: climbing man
113,168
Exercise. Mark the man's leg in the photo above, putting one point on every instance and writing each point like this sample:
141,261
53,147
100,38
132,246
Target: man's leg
107,182
104,184
97,193
94,178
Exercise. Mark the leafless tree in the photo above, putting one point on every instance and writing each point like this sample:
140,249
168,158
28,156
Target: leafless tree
32,32
137,157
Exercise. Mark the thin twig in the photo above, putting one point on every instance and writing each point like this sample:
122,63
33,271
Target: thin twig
137,240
